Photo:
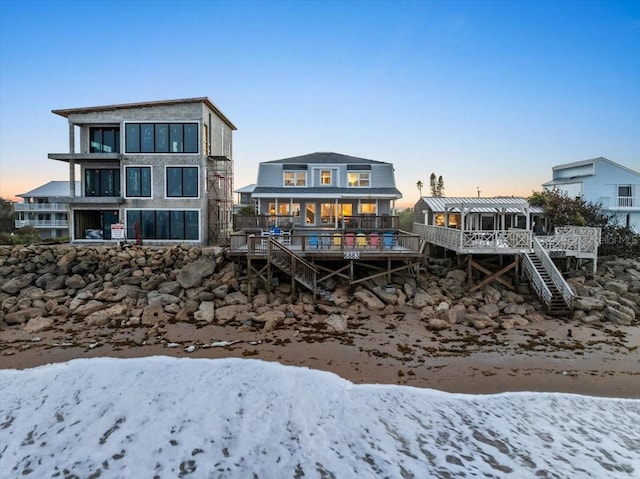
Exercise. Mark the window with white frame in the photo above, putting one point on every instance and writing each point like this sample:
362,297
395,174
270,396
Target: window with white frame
326,177
358,179
624,196
295,178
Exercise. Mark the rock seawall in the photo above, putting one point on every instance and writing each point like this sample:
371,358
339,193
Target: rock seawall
42,287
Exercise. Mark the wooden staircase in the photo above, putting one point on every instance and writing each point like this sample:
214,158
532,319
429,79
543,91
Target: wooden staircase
300,270
557,306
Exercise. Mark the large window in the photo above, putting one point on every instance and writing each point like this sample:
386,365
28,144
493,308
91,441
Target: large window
182,181
138,181
163,224
104,140
102,182
161,137
295,178
358,179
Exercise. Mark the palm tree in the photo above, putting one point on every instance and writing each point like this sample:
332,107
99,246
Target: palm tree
419,185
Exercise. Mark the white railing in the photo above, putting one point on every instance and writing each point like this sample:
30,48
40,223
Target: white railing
42,223
539,286
628,202
462,241
556,276
588,241
40,206
446,237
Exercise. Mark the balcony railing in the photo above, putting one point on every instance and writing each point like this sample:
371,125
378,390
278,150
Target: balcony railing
358,222
41,206
628,202
42,223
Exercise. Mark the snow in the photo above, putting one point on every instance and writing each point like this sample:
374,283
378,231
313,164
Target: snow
240,418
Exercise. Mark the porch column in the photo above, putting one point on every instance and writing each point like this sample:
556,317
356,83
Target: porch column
276,225
335,219
72,162
527,215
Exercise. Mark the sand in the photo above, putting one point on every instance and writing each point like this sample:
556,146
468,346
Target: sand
555,355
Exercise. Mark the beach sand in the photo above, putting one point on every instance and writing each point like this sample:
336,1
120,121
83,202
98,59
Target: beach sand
555,355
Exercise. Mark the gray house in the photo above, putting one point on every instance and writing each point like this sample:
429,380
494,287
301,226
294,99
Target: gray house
326,190
162,169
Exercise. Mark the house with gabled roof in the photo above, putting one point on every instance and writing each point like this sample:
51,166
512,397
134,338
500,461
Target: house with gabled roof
599,180
325,189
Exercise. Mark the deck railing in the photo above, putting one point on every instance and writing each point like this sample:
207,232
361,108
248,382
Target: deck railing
463,241
263,222
371,222
589,238
539,286
40,206
556,276
42,223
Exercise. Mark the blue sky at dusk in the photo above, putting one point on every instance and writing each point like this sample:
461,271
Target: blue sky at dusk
486,94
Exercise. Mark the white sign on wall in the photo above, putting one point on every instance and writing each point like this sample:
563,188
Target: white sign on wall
117,231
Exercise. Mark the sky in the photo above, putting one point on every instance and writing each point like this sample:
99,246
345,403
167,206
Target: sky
490,95
240,418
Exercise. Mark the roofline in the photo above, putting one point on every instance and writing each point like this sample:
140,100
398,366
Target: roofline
592,161
70,111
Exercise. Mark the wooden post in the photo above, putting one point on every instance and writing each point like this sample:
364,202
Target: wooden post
249,278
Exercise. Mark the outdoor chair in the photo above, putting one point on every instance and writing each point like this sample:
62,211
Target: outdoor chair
350,240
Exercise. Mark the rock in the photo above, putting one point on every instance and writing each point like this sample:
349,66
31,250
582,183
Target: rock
38,324
170,287
153,314
19,317
67,259
438,324
491,295
386,296
275,315
371,301
443,306
226,314
115,295
619,314
269,325
534,318
192,274
618,287
206,312
104,316
221,291
516,309
588,303
481,321
338,322
491,310
162,298
75,282
12,286
185,314
457,275
237,297
422,299
87,308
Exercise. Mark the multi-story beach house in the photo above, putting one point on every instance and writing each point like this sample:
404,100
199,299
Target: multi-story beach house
45,209
326,190
163,169
602,181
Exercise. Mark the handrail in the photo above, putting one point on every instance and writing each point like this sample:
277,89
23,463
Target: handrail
300,269
539,285
465,240
41,206
556,277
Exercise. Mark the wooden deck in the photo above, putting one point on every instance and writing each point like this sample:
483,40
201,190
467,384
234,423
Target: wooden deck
331,245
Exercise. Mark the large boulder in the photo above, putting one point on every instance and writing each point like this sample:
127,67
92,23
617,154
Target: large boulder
588,303
38,324
206,312
13,285
192,274
370,300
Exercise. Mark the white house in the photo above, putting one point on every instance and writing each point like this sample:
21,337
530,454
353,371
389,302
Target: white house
602,181
45,209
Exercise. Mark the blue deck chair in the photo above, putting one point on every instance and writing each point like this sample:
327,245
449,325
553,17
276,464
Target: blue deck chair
313,240
388,240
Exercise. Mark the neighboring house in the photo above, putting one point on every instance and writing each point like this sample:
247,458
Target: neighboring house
615,187
325,189
486,214
163,169
45,209
244,196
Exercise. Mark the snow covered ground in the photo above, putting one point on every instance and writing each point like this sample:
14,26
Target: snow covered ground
237,418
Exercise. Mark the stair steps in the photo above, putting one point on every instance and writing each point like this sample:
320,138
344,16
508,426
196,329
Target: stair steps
558,306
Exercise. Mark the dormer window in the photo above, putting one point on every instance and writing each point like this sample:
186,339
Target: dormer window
295,178
358,179
325,177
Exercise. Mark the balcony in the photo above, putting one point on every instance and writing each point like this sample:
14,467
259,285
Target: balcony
67,157
42,223
40,207
627,202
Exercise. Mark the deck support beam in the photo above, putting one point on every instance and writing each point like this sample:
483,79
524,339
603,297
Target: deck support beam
491,276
